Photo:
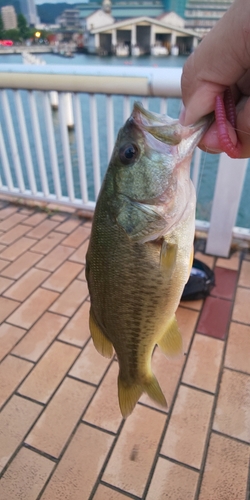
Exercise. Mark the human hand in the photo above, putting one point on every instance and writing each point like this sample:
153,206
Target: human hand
222,60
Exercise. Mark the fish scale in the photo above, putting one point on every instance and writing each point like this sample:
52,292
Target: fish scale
140,249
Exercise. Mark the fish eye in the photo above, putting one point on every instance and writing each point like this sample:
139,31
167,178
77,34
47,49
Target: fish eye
128,153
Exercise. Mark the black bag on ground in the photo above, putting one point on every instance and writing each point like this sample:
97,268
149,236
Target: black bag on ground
200,283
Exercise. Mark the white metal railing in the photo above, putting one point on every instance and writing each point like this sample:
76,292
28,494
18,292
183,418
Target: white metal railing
42,158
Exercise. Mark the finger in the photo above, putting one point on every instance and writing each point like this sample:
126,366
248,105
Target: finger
243,84
201,103
243,125
210,141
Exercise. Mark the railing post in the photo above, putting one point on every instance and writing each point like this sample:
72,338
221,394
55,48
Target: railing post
66,147
13,142
52,146
95,144
80,148
228,189
196,168
5,161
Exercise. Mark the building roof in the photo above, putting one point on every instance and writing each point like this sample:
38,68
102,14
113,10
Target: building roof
147,20
136,11
99,10
124,8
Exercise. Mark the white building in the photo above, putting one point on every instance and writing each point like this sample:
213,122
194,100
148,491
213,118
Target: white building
202,15
140,35
172,19
99,19
9,17
70,19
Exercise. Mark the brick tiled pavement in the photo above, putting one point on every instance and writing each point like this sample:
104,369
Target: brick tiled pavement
61,432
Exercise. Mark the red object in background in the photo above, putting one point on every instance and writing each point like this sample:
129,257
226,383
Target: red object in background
51,38
6,43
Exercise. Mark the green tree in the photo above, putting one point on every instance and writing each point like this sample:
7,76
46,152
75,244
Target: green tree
22,26
12,34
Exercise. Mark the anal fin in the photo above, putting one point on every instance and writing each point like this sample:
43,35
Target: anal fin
101,343
171,341
154,391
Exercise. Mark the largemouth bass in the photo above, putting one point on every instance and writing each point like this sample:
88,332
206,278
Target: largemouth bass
141,248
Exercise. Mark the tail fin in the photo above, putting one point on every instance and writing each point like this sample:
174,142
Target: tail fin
129,395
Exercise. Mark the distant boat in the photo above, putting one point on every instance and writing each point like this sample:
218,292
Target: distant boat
159,50
122,50
63,50
175,50
66,53
137,51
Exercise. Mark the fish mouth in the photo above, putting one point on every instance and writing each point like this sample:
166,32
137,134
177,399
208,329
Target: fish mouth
162,127
147,117
169,130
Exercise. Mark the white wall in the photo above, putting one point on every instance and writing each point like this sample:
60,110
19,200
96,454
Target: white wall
98,19
173,19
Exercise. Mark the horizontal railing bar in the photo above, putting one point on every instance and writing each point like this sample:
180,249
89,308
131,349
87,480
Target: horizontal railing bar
64,200
202,225
142,81
240,233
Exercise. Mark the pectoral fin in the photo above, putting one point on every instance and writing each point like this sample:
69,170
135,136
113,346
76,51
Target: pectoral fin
168,255
140,222
101,343
191,261
171,341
